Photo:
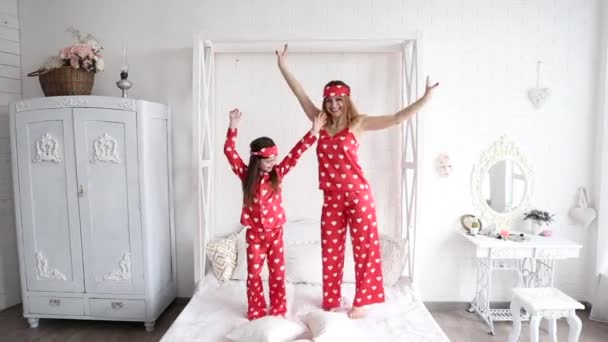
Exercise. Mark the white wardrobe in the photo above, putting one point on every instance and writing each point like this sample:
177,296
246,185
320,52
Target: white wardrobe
93,202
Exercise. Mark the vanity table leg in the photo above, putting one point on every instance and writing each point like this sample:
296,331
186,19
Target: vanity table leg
488,275
537,272
481,302
529,272
545,272
473,307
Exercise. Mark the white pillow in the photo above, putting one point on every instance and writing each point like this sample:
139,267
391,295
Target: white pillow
298,232
222,254
303,263
302,231
267,329
332,327
303,255
394,258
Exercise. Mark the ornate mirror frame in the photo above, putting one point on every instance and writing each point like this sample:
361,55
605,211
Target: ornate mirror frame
502,149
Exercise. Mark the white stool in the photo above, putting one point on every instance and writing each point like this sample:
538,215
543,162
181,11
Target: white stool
544,302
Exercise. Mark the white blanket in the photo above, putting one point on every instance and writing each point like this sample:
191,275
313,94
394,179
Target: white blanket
216,309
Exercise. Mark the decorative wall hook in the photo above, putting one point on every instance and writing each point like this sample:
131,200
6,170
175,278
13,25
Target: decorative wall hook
538,95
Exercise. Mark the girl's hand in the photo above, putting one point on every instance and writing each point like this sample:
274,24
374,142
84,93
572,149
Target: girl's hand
235,117
318,123
281,56
428,92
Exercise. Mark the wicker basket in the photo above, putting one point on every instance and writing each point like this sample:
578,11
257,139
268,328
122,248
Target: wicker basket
65,81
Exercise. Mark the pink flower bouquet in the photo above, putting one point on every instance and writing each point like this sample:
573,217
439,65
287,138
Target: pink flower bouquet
72,72
82,55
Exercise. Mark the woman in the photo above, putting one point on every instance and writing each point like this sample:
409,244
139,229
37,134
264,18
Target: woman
347,197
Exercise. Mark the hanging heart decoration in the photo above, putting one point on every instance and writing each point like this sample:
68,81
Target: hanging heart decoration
538,95
583,214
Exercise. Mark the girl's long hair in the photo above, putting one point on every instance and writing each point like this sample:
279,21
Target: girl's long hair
253,173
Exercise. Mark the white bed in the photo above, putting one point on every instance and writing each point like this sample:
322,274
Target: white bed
216,309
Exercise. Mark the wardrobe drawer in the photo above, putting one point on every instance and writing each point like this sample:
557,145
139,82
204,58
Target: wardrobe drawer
117,308
56,305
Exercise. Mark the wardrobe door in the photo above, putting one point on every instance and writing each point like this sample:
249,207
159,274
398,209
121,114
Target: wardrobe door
49,206
107,164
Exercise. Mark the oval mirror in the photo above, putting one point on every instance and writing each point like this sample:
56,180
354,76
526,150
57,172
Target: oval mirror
504,186
501,184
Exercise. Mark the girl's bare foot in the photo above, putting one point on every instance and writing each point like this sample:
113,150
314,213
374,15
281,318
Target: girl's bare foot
356,312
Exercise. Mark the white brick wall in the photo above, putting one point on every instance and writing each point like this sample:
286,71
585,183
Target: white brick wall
484,52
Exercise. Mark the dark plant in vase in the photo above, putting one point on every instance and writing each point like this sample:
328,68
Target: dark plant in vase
540,218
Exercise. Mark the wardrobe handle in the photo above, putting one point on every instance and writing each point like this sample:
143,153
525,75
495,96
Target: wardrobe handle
81,191
54,302
117,305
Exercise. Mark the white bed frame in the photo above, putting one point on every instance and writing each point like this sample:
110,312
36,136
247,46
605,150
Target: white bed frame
203,135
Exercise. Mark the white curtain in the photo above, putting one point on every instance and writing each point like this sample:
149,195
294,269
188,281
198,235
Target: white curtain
599,300
599,310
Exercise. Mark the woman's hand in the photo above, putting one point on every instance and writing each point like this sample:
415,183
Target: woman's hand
430,89
281,56
235,117
318,123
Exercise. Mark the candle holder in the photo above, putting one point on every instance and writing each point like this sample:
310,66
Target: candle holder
124,84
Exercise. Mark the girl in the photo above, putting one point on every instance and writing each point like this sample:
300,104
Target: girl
263,213
347,195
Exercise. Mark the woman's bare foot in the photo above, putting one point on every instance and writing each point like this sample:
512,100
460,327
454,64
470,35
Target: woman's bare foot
356,312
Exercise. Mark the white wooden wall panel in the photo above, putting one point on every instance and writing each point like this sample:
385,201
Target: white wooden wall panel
10,90
9,276
8,33
8,6
10,72
9,20
9,59
10,85
9,46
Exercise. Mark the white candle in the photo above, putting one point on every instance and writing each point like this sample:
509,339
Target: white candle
125,64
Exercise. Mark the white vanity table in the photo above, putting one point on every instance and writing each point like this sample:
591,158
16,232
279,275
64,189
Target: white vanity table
533,261
502,184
